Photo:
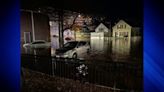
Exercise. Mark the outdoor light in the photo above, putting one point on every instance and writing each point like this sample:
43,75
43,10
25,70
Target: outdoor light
50,23
79,15
39,10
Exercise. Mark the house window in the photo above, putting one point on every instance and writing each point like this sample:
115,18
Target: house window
120,26
101,29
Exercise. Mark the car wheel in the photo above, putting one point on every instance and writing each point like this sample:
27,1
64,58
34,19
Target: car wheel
88,51
74,56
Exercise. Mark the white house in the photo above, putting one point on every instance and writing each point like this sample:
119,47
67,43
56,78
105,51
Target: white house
100,32
101,28
97,38
121,29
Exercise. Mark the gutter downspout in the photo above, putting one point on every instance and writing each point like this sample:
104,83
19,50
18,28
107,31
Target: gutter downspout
33,27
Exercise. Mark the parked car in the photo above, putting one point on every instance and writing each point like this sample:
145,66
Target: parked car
73,49
38,44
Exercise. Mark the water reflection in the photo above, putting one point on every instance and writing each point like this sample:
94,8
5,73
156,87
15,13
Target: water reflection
120,49
117,49
111,49
97,45
121,46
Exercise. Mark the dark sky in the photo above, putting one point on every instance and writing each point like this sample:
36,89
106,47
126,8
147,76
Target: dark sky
126,9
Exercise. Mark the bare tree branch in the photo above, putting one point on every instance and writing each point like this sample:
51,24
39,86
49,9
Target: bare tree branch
72,23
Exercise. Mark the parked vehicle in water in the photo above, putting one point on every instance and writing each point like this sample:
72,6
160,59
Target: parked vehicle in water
73,49
38,44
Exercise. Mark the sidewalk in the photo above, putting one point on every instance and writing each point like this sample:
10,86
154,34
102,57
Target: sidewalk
39,82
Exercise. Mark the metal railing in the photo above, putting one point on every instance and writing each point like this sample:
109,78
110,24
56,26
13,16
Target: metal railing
121,75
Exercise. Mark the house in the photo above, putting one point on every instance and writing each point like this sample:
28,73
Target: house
101,28
101,32
121,29
97,38
34,26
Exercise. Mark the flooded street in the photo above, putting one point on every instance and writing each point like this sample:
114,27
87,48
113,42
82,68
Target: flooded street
117,50
111,62
112,49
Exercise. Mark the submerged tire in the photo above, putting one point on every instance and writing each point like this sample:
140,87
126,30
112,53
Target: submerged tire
88,51
74,56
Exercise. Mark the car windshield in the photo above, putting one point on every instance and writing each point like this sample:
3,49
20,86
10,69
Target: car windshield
82,43
38,42
70,45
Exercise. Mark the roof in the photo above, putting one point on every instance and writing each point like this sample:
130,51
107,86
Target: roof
131,22
107,24
122,22
101,24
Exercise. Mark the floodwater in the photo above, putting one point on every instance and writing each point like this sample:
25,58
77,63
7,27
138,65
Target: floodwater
112,49
112,62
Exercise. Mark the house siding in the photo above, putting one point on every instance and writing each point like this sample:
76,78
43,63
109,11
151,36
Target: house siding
121,29
25,24
41,26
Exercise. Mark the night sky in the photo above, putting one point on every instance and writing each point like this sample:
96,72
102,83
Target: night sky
131,10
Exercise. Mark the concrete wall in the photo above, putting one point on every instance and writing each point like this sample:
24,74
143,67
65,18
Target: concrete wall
100,35
82,36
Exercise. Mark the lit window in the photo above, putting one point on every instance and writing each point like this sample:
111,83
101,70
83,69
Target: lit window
118,26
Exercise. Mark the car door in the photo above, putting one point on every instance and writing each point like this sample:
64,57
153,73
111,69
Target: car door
85,47
79,49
